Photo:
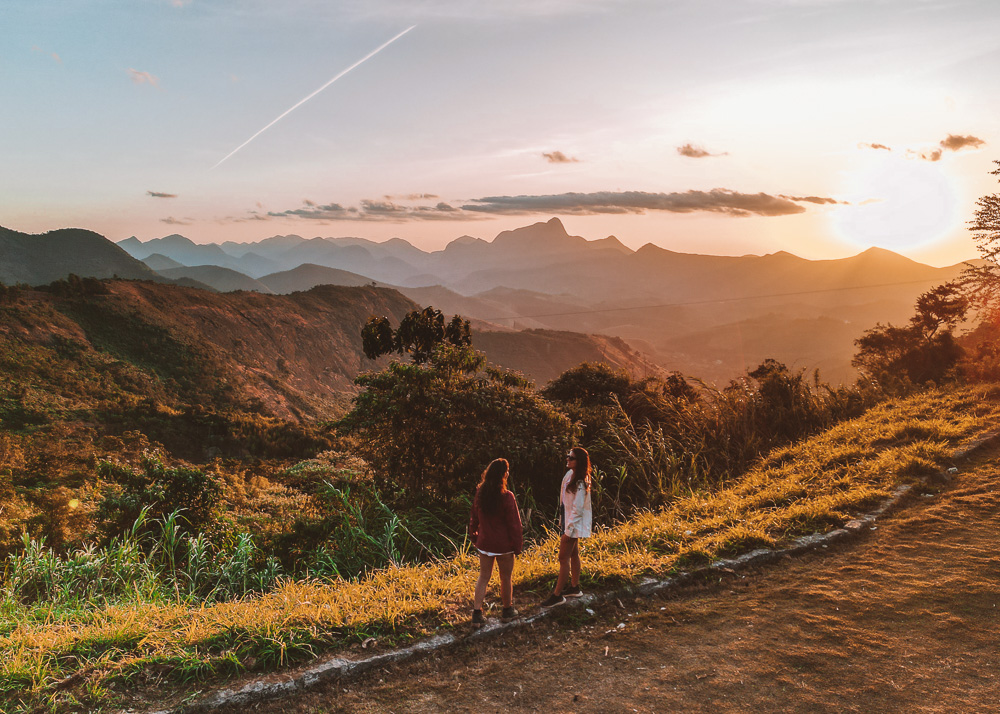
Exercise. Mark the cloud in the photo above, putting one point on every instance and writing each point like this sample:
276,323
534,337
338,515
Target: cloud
171,221
180,3
157,194
954,142
925,154
143,77
412,197
638,202
718,200
696,152
385,211
874,146
251,216
53,55
558,157
820,200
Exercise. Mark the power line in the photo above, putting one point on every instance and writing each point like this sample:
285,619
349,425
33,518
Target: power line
705,302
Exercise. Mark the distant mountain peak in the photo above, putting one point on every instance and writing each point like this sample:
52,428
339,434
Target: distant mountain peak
883,255
176,239
548,231
612,243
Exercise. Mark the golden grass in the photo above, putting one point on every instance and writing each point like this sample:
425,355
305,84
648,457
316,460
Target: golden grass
814,485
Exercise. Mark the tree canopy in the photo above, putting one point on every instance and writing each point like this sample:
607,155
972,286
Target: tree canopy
418,334
430,428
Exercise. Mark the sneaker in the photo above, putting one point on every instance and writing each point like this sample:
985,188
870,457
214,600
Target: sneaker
553,600
572,592
477,618
508,614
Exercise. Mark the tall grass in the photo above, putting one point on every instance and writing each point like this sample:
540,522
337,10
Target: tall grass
161,561
809,486
659,444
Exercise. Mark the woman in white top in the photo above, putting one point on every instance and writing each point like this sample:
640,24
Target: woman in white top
578,518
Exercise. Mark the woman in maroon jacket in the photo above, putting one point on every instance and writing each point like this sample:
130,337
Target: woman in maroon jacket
495,530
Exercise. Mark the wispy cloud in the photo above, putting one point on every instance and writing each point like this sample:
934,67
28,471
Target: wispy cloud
717,200
724,201
925,154
819,200
881,147
369,210
412,197
158,194
558,157
250,217
171,221
53,55
138,77
953,142
697,152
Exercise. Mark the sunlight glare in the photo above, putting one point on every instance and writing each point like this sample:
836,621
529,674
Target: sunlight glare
897,203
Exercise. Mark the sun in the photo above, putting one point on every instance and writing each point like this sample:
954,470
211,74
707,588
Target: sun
897,203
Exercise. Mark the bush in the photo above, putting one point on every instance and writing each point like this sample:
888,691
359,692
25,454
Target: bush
156,490
431,429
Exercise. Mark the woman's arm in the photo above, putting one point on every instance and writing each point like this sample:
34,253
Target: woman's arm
514,528
474,524
574,519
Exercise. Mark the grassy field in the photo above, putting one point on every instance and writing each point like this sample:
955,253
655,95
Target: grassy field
64,658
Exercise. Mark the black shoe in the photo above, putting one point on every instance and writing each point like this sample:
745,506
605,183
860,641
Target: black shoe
508,614
553,601
477,618
572,592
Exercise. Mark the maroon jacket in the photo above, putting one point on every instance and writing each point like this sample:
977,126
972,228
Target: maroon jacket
499,532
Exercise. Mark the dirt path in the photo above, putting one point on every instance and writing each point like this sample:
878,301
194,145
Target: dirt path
904,619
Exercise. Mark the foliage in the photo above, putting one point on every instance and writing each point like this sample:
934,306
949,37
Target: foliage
983,281
658,437
155,490
73,286
818,484
419,334
923,351
432,428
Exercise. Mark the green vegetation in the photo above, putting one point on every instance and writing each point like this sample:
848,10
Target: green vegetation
419,334
924,351
429,429
168,518
118,640
656,438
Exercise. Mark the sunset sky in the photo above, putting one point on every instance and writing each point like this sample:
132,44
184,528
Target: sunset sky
820,127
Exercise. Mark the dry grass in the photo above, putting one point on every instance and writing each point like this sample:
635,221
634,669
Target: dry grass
814,485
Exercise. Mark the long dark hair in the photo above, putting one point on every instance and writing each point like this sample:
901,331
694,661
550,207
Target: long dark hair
492,486
581,469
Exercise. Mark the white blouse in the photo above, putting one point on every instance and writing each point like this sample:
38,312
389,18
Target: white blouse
576,506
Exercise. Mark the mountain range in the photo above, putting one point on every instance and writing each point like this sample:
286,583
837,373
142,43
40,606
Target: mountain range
705,315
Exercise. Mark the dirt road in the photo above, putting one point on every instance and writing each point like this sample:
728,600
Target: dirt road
903,619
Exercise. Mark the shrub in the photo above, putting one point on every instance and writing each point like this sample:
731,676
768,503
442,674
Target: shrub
157,490
431,429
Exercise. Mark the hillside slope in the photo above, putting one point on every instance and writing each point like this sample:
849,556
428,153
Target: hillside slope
293,356
38,259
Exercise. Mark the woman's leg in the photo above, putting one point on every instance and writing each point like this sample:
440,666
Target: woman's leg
505,566
574,564
485,572
566,548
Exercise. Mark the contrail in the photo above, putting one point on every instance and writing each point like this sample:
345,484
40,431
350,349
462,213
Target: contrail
360,61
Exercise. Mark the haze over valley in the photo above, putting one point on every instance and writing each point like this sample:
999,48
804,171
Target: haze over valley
710,317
